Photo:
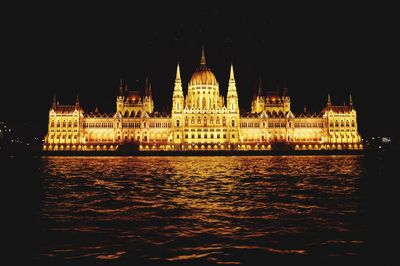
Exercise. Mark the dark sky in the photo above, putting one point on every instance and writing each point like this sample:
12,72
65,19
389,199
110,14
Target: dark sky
315,50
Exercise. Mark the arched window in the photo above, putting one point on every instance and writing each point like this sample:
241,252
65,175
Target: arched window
203,103
336,123
199,120
211,120
192,120
186,121
217,120
347,123
224,121
52,124
233,123
64,124
352,123
177,106
69,124
205,120
127,113
342,123
178,123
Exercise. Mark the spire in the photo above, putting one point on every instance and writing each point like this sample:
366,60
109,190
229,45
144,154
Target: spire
350,100
149,90
178,82
146,88
260,91
305,109
54,105
121,87
178,74
231,75
203,57
126,87
329,104
77,101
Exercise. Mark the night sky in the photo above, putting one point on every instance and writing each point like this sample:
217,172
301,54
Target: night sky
315,50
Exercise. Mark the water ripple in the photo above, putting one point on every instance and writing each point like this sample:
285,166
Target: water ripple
220,210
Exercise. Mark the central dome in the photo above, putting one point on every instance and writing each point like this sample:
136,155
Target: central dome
203,75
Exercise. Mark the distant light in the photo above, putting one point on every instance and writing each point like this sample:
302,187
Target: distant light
373,138
380,147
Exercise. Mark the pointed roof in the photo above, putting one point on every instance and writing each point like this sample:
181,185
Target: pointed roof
329,103
54,101
149,90
77,100
203,57
260,90
178,74
350,100
231,74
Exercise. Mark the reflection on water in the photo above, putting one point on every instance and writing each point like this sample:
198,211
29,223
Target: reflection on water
222,210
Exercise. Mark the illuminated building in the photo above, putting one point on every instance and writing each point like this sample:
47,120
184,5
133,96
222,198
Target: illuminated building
202,120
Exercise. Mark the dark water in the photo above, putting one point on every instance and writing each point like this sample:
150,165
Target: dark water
201,210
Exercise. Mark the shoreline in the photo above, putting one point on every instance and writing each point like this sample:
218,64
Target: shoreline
191,153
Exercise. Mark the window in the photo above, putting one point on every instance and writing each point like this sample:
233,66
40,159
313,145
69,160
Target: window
177,136
192,136
178,123
63,124
52,124
199,136
205,136
212,136
233,136
233,123
224,136
186,136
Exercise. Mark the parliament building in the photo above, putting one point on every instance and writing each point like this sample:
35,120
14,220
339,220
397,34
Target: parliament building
203,119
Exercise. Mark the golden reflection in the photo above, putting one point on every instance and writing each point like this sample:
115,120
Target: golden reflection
197,208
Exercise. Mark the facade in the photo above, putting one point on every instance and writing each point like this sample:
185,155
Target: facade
202,120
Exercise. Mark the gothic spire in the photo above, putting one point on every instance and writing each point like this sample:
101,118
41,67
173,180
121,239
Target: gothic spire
178,74
231,75
54,105
329,104
350,100
149,90
203,57
146,88
260,91
121,87
77,101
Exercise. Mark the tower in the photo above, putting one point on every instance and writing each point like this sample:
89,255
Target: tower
177,109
